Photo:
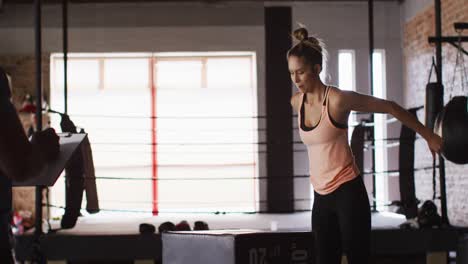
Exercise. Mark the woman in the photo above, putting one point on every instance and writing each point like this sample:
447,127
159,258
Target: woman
341,212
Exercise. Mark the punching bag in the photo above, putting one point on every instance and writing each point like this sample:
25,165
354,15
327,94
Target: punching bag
432,107
452,125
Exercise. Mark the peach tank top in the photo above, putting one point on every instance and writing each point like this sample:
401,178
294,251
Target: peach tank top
331,162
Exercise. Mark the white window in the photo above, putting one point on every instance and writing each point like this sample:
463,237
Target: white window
346,70
123,73
347,77
77,69
210,142
205,137
380,128
179,73
238,70
324,73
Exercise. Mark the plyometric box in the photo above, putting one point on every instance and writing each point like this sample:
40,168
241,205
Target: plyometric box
237,247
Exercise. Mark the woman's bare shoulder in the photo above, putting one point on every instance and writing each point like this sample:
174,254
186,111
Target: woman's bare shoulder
336,95
295,101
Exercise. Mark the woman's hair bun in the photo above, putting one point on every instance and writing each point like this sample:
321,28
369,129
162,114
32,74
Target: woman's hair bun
301,34
314,41
311,48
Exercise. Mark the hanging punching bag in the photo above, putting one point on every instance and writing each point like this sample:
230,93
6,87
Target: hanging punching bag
452,125
432,107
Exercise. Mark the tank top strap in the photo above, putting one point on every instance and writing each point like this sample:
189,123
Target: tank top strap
326,96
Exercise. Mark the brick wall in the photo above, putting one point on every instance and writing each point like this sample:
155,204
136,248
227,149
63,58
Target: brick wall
418,54
23,74
22,69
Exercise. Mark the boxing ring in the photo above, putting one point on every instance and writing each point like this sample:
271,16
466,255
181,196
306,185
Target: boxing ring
116,238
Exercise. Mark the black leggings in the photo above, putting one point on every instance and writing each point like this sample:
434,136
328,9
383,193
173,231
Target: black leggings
341,222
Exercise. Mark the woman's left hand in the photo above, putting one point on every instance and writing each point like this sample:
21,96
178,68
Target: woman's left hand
434,142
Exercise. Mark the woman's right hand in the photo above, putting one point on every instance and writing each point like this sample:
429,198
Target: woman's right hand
434,142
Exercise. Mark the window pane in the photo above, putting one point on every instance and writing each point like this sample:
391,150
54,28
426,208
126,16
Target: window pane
380,128
347,77
178,74
207,143
233,73
378,74
130,74
346,70
83,74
